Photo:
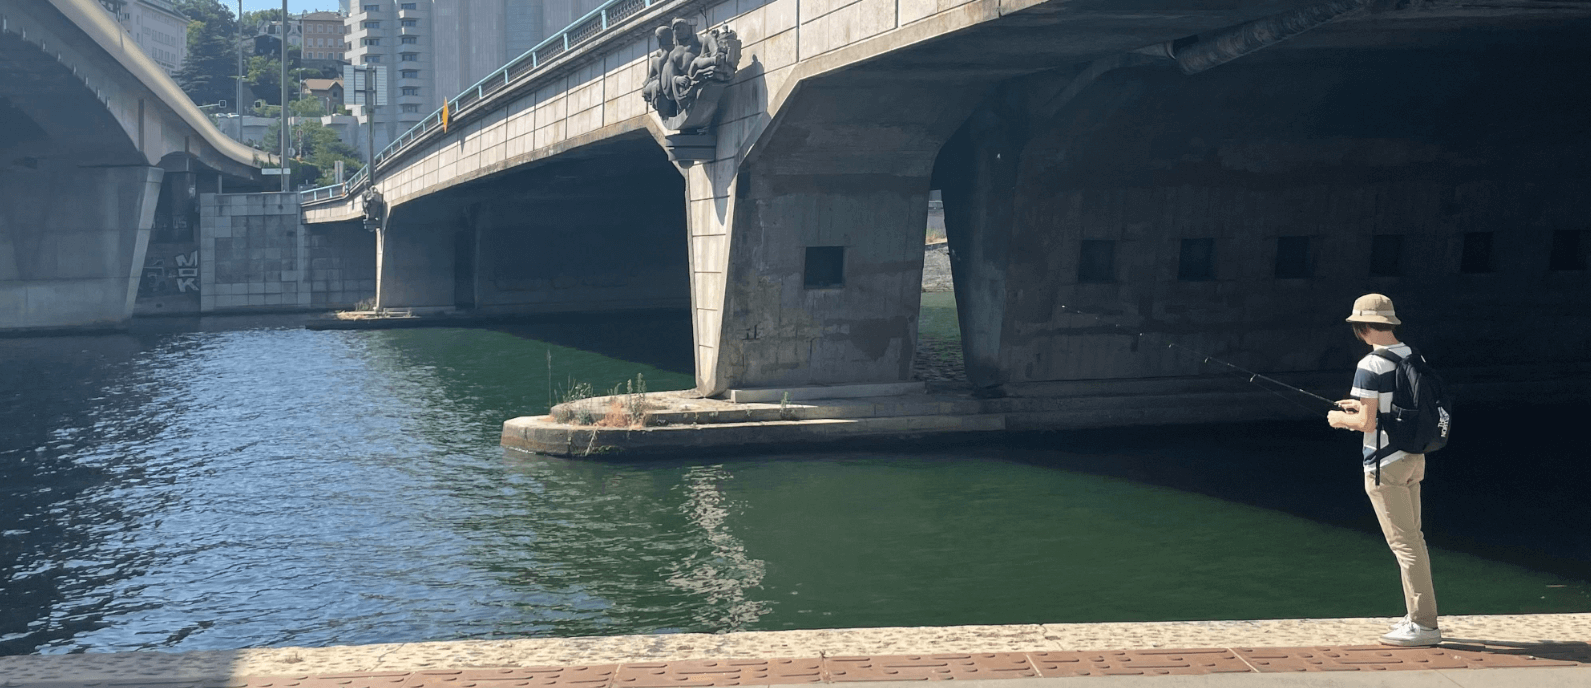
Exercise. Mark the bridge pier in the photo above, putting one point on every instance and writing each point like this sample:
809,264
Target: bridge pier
976,174
415,255
807,253
71,254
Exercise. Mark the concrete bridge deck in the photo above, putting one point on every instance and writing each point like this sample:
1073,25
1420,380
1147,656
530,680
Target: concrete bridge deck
1522,651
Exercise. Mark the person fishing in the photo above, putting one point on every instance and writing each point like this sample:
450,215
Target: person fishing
1392,477
1401,406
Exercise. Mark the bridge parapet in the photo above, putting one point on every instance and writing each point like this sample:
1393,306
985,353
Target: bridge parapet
611,20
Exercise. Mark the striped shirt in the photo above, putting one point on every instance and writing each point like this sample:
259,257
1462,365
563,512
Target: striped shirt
1374,379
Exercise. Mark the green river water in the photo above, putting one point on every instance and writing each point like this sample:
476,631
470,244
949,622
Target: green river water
243,482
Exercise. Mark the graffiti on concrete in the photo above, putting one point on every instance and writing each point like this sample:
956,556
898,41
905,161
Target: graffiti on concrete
166,273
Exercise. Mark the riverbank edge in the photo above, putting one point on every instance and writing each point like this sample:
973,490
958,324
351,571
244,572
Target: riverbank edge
1525,629
681,422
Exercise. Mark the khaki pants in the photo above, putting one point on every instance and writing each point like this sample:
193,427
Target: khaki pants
1397,504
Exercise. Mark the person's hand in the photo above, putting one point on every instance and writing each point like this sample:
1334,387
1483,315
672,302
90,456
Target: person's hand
1351,405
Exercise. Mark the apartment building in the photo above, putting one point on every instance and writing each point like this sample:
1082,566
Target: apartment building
325,37
397,35
157,27
475,37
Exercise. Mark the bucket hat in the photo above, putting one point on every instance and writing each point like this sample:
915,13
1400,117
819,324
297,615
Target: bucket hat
1374,308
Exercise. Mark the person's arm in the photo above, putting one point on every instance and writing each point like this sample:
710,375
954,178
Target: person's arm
1357,414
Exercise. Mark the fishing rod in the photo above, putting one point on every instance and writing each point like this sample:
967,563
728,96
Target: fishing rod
1252,376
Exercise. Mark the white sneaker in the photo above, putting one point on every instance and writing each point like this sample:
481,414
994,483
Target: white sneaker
1411,634
1400,622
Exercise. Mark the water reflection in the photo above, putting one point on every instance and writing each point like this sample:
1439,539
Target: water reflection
723,575
225,489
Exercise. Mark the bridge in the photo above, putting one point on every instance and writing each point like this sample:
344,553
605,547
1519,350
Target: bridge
97,147
1224,174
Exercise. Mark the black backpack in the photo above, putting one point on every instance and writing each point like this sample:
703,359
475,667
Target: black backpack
1421,414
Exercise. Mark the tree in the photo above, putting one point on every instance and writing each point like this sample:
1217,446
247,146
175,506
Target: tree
265,75
208,73
254,21
316,147
307,107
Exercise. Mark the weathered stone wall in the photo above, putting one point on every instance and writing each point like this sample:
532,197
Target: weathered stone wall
169,281
936,267
255,254
1336,148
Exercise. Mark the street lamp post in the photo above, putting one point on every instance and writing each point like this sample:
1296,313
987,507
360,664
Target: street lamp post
284,137
241,75
370,120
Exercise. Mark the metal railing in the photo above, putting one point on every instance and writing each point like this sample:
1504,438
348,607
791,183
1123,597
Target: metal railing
593,24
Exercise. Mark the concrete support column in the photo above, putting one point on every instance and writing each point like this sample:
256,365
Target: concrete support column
802,279
72,252
977,175
414,256
807,247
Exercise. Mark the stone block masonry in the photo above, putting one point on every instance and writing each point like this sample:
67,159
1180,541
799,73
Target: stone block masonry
256,254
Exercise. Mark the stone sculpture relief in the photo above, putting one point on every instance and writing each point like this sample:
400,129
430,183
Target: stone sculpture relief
688,73
375,209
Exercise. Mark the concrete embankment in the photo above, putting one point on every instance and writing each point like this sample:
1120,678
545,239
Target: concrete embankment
680,422
1520,650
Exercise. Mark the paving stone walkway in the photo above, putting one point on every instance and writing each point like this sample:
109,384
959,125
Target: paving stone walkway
685,660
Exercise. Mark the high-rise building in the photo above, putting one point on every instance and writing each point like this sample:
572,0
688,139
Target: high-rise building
156,26
475,37
395,34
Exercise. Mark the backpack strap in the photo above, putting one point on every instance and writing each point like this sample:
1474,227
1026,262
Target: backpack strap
1383,451
1386,353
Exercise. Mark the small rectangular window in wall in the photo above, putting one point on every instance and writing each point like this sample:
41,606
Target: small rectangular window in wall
1477,253
1293,258
1096,262
825,267
1197,262
1386,255
1568,250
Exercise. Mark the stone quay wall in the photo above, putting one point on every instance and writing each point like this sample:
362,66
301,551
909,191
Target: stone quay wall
255,253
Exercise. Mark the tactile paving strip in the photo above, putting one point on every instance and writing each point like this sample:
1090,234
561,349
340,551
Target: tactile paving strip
929,667
1139,663
514,677
1383,658
723,672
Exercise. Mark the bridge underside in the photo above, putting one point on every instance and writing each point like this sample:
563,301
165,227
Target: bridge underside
1431,155
78,199
600,229
81,179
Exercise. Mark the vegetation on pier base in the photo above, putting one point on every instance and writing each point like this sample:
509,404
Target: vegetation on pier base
624,406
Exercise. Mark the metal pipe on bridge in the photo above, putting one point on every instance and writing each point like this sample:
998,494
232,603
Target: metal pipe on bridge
1235,42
